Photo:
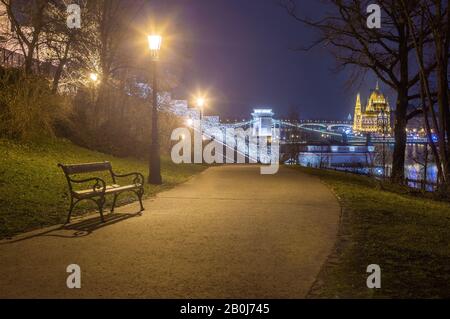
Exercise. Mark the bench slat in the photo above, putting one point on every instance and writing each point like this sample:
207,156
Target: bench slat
86,168
110,189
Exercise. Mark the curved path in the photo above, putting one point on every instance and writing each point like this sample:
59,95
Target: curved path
227,233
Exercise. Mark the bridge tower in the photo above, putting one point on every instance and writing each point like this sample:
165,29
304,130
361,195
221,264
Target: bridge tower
262,123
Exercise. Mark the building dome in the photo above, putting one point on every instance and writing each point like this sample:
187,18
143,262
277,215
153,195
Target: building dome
377,96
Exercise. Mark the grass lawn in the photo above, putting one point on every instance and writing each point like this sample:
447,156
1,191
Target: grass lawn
409,237
34,191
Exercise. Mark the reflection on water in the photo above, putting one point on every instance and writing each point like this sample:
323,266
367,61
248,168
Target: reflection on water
415,163
416,171
415,159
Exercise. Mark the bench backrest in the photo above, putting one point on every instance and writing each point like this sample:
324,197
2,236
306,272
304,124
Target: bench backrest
85,168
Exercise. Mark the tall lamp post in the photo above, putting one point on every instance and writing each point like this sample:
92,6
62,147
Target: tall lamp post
154,174
94,80
201,105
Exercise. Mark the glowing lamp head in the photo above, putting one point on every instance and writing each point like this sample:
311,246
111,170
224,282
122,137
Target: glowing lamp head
201,102
93,77
154,43
189,122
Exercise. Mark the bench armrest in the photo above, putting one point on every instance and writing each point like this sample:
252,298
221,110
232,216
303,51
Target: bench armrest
98,187
137,180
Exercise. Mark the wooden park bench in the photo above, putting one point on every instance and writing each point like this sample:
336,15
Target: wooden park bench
99,189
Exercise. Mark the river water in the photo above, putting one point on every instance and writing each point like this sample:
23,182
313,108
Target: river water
415,159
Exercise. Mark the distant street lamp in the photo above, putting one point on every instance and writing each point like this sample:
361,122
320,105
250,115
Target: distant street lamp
201,104
201,101
94,80
154,174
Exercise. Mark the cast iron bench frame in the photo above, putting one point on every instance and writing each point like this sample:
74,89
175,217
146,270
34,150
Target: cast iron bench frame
99,190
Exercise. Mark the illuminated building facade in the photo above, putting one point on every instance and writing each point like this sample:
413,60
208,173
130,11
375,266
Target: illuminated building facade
376,116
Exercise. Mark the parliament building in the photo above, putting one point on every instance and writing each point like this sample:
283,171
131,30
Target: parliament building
376,116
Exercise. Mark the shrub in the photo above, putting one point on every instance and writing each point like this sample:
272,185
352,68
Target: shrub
118,124
28,108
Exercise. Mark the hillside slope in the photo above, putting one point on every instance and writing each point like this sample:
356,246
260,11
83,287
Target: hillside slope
34,192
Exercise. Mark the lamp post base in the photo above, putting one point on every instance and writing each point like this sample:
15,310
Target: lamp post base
155,180
154,174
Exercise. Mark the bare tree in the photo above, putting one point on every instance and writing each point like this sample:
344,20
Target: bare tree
40,34
386,52
27,21
111,26
434,14
59,40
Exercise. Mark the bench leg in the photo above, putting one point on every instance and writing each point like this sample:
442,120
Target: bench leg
140,193
114,203
72,204
100,204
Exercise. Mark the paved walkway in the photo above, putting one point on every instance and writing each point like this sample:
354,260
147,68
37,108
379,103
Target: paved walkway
227,233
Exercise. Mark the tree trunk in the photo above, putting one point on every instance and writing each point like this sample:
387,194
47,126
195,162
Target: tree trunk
425,169
398,161
62,63
29,60
443,105
57,77
441,42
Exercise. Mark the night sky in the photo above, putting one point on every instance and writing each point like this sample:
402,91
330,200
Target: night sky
242,53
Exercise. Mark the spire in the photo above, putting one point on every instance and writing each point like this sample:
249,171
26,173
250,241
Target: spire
358,101
357,116
377,87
